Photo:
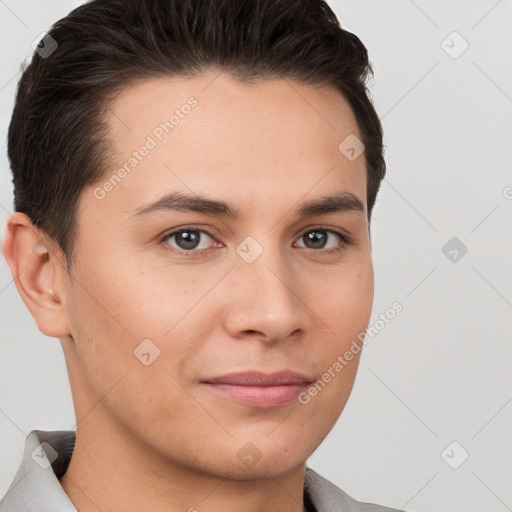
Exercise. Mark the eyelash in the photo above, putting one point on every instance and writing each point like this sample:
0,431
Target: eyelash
201,252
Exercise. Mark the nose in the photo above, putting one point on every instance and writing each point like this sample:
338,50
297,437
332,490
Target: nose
266,300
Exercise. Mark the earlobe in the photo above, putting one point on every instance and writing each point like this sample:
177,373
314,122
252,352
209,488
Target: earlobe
37,272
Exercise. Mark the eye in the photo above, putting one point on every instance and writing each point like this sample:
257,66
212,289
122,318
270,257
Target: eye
318,239
189,240
192,241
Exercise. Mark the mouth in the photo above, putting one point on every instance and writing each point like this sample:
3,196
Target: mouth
257,389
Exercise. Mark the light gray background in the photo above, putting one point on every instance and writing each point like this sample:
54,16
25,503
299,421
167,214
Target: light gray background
441,370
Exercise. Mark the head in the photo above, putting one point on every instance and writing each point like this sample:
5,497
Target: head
171,162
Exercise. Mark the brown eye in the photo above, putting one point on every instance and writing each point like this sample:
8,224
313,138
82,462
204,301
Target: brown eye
189,239
319,239
315,239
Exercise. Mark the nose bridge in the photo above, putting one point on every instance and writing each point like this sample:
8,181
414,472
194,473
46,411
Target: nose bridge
266,299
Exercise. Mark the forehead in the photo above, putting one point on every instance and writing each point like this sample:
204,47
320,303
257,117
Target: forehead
214,134
225,105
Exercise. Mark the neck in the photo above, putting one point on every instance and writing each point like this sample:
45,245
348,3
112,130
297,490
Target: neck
109,471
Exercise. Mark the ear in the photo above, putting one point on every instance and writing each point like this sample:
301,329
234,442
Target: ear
39,274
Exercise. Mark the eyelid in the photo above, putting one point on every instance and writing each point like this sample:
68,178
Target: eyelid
342,233
189,227
345,238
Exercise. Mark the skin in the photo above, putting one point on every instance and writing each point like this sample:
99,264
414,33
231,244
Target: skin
154,434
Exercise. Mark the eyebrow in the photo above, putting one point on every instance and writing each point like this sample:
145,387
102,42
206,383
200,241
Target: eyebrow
179,201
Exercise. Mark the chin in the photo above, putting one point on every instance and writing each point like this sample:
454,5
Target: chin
264,469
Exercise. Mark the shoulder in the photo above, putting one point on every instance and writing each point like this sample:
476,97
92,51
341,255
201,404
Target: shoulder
326,496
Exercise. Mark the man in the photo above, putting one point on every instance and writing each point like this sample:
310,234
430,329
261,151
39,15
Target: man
194,184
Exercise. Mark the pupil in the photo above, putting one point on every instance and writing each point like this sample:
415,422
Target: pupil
187,239
317,238
190,239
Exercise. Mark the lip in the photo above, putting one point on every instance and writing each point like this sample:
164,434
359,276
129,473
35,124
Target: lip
258,389
257,378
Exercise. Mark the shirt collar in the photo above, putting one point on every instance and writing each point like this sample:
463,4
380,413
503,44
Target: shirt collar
36,486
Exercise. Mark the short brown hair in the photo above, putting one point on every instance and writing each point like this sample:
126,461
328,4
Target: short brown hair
57,140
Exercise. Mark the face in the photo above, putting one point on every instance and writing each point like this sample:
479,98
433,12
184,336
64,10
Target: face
163,299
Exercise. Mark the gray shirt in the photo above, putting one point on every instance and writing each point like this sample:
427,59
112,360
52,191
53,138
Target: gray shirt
47,454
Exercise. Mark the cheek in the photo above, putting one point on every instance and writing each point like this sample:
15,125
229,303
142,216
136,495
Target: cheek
122,298
152,301
102,340
111,318
122,318
344,308
344,301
